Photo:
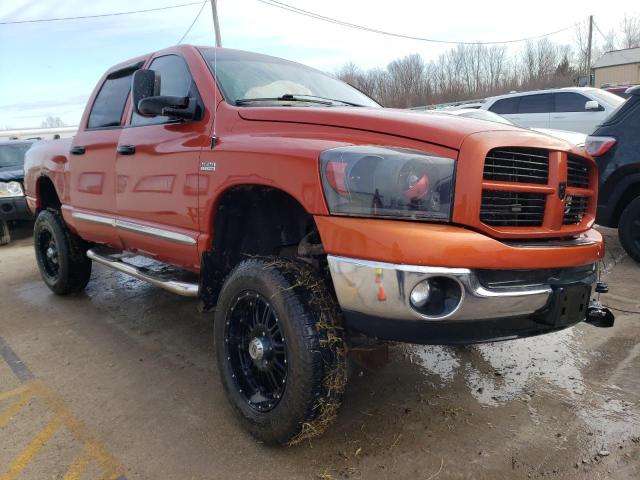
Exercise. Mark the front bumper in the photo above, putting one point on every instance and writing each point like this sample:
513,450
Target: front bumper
375,300
14,208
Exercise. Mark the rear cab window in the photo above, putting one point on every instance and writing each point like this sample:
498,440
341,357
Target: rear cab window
109,104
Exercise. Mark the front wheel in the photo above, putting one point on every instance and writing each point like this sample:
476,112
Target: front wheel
629,229
60,254
280,349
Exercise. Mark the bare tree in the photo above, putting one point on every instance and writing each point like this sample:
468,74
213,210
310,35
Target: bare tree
52,122
630,30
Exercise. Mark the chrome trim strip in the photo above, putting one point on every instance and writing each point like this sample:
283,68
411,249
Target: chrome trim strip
89,217
156,232
551,243
357,283
180,288
136,227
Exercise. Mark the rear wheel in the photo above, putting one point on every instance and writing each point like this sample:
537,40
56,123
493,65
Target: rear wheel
629,229
60,254
5,236
280,349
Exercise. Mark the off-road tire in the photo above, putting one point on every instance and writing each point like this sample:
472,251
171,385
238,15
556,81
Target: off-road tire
5,235
73,267
629,229
311,325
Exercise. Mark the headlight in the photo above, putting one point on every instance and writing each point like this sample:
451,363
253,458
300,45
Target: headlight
11,189
392,182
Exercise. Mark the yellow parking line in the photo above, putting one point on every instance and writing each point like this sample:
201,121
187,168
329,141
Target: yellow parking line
78,467
32,449
92,449
14,408
16,391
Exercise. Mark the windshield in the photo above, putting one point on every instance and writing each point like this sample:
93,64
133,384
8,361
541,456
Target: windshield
607,98
13,155
244,75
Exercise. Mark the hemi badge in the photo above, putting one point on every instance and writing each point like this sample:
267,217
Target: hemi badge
208,166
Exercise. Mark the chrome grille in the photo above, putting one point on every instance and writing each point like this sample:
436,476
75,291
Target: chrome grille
578,172
574,210
512,209
519,165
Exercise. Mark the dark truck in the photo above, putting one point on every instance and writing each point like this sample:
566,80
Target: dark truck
13,204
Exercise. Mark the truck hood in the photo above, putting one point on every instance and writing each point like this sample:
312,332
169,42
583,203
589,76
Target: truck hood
435,128
10,174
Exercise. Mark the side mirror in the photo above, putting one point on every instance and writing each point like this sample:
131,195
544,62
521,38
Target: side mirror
144,84
592,105
148,102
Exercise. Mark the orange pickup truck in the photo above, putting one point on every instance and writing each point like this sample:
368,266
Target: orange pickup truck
311,216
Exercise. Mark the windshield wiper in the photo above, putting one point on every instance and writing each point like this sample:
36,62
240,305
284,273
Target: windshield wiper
288,97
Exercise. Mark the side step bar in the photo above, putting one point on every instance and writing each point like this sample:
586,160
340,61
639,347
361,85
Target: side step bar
180,288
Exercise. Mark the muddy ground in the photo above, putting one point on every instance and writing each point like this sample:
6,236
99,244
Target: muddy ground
121,382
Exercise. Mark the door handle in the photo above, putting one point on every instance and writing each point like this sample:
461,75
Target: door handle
77,150
558,116
126,149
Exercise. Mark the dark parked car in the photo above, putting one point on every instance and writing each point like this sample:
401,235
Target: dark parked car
616,146
13,205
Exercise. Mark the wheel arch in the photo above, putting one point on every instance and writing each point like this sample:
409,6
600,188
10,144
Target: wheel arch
46,194
253,220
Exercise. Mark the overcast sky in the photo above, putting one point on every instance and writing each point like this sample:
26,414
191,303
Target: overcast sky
50,68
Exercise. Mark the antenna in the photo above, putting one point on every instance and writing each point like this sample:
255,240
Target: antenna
214,137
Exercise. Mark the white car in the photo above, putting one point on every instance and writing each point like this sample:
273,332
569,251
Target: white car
575,138
577,109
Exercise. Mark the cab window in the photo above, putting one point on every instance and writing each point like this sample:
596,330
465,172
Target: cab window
175,80
109,104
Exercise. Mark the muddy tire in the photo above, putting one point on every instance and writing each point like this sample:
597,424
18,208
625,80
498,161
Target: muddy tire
629,229
60,254
280,349
5,235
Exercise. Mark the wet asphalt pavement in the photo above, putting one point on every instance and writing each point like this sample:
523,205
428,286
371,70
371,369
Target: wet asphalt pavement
121,382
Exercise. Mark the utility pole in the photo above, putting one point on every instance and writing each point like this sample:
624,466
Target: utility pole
216,25
588,49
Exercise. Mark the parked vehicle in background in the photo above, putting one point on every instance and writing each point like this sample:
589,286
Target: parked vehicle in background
577,109
50,133
575,138
616,147
311,215
620,90
13,205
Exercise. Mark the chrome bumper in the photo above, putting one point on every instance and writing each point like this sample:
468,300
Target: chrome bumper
357,284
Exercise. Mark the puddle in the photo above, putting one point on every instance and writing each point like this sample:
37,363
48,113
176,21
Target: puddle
500,372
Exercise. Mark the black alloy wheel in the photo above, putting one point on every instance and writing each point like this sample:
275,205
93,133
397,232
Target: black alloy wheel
280,349
256,351
61,255
48,251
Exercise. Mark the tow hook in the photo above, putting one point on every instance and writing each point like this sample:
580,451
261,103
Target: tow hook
599,315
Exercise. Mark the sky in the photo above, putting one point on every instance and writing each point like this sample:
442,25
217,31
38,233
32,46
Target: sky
51,68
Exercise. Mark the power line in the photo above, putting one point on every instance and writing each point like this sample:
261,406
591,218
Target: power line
343,23
194,22
84,17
